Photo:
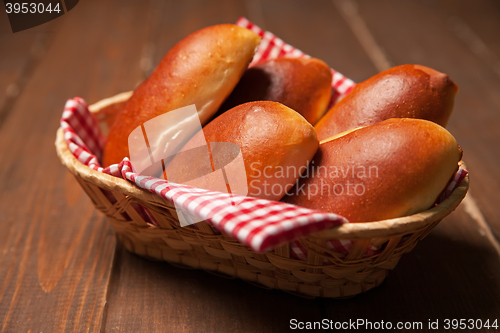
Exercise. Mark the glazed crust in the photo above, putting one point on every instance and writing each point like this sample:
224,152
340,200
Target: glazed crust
201,69
394,168
272,139
303,84
406,91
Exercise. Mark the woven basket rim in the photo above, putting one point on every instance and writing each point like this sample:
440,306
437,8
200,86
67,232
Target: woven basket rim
352,231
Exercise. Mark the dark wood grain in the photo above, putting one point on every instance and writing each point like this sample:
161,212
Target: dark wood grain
414,32
476,24
60,269
57,250
317,29
20,56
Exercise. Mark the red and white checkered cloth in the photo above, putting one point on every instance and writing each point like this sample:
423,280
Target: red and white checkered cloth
258,223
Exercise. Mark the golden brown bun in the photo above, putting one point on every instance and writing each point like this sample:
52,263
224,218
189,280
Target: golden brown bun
299,83
407,91
395,168
201,69
270,135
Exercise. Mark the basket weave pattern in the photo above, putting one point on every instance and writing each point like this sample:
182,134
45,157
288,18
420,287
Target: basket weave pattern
201,248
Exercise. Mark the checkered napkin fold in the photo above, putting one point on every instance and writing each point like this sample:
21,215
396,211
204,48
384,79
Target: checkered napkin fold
260,224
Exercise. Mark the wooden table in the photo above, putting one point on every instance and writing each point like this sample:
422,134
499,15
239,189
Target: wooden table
61,268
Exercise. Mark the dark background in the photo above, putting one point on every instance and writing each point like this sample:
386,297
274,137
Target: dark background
60,266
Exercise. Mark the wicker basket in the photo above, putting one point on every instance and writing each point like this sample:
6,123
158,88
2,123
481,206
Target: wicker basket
199,247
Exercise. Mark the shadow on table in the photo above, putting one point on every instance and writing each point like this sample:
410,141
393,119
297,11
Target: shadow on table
440,279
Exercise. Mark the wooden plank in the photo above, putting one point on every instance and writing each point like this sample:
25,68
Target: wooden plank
414,32
146,296
116,49
19,57
317,29
57,250
477,25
